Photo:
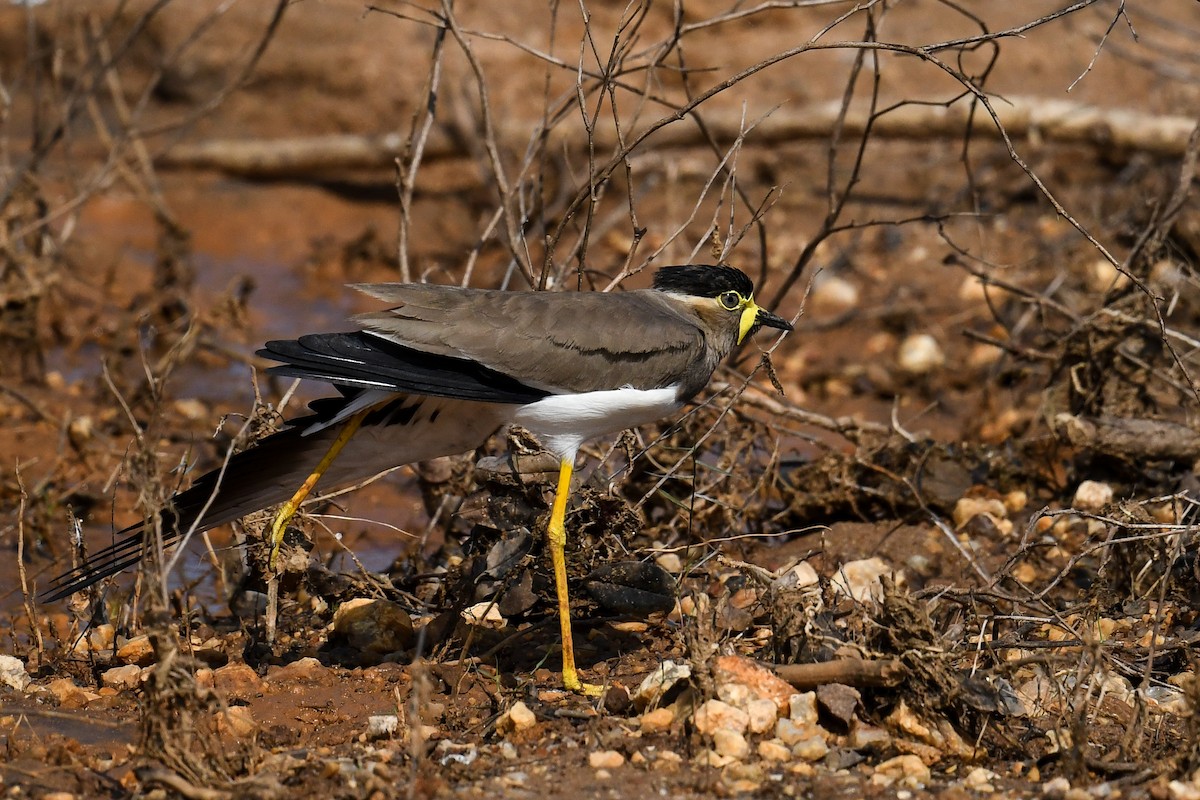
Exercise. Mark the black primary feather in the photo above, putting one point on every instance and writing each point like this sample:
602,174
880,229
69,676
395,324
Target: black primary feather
367,361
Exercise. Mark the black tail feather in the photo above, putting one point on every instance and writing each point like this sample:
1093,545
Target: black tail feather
242,483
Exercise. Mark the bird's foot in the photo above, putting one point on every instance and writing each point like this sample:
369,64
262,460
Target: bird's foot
572,683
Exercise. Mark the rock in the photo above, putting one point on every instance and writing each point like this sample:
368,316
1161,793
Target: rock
659,682
517,718
657,721
1179,790
237,681
671,562
616,700
920,354
839,702
832,295
69,695
1056,788
485,615
790,733
1102,276
811,749
869,738
801,576
842,758
515,779
373,627
741,778
605,759
802,708
137,650
1168,699
715,715
774,750
907,770
1092,496
860,579
13,674
98,639
741,680
983,355
237,721
967,508
380,726
192,409
941,738
980,780
763,714
1015,501
711,758
452,752
306,670
730,744
973,290
128,676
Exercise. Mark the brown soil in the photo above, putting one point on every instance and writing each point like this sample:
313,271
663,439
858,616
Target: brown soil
179,274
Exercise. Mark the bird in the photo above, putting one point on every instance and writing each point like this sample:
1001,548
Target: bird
443,368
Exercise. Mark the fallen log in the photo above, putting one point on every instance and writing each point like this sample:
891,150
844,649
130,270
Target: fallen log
1035,119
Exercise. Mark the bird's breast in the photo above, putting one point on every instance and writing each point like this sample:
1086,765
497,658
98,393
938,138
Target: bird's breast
562,422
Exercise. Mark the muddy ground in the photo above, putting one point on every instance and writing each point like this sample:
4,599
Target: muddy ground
955,505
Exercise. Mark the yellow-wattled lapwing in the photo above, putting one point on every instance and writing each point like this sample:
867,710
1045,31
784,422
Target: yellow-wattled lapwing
444,368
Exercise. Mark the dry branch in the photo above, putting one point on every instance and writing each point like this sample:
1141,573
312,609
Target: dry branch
1130,437
848,671
1037,119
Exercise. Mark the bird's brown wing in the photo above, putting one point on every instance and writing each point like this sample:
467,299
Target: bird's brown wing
557,341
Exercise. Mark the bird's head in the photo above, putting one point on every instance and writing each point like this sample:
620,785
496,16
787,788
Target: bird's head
722,296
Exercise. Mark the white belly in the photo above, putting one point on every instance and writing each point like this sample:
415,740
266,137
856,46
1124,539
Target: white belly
563,422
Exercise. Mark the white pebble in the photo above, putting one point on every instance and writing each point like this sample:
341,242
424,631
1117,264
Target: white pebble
517,718
811,749
790,733
920,354
1092,496
861,579
833,295
715,715
1056,788
967,508
605,759
774,750
980,780
730,744
762,713
13,674
671,562
802,708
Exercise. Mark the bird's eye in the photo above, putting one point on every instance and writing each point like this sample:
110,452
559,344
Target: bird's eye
730,301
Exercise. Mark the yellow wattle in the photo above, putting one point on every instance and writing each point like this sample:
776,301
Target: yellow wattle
749,315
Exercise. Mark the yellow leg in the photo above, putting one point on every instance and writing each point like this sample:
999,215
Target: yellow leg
556,535
289,509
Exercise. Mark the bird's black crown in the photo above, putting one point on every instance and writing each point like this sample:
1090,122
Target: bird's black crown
703,281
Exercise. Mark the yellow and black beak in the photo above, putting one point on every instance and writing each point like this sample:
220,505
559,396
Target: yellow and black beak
754,318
